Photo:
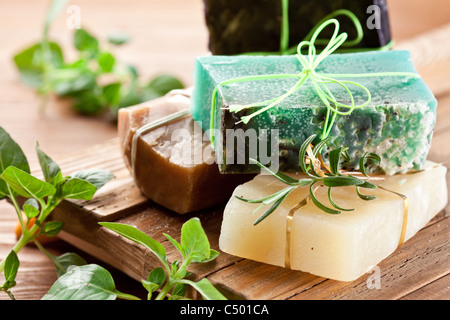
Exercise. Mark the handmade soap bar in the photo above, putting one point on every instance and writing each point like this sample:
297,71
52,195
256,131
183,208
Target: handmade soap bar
338,246
174,166
397,124
240,26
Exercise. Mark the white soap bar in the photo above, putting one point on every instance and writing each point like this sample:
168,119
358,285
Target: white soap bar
337,246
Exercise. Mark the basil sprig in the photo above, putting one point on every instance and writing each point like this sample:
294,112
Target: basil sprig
43,67
93,282
332,178
41,197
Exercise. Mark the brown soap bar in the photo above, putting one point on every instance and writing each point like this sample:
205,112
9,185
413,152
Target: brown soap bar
174,166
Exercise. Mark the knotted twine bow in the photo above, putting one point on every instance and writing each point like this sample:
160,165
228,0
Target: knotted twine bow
319,81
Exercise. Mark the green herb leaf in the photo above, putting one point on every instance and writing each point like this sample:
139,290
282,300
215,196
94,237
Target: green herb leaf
179,290
10,155
52,228
272,208
31,208
76,188
363,196
26,185
302,155
70,81
118,38
111,93
174,242
279,175
33,62
68,261
342,181
154,281
50,168
97,177
106,62
194,241
318,204
165,83
334,204
368,156
84,41
206,289
11,267
88,282
139,237
335,159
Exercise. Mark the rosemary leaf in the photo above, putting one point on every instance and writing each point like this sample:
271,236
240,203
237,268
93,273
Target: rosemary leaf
363,196
318,204
369,156
334,204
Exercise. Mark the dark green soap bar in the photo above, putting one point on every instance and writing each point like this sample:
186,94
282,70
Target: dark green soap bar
397,124
242,26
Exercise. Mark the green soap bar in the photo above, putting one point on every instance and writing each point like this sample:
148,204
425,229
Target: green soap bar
397,124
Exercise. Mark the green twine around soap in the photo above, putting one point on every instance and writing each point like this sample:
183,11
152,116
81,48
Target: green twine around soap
319,81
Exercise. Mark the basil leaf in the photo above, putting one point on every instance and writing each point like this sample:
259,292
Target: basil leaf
206,289
76,188
165,83
26,185
11,266
174,242
88,102
31,208
137,236
69,81
194,241
106,62
118,38
111,93
213,254
154,281
50,168
10,155
52,228
179,290
67,261
84,41
33,61
157,276
97,177
88,282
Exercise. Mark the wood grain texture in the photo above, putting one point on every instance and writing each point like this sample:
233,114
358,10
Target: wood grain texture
166,37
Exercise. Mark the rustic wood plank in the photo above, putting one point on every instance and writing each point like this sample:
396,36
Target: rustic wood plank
436,290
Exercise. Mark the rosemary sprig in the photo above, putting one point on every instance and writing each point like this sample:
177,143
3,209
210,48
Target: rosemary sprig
318,173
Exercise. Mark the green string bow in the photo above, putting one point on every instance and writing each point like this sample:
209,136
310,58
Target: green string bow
319,82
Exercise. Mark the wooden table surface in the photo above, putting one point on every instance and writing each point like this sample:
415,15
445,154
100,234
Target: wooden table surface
166,37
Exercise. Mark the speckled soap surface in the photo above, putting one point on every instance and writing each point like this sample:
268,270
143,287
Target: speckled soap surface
397,124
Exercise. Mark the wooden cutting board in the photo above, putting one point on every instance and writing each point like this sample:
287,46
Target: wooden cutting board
416,264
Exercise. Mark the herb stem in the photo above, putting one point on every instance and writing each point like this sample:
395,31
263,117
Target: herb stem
23,240
165,290
125,296
16,206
